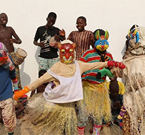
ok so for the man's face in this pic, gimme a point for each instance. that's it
(3, 19)
(67, 53)
(80, 24)
(50, 22)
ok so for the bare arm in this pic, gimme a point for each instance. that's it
(43, 79)
(89, 66)
(41, 44)
(16, 38)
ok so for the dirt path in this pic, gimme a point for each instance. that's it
(113, 130)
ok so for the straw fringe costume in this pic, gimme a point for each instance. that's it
(96, 102)
(134, 76)
(47, 118)
(52, 118)
(53, 112)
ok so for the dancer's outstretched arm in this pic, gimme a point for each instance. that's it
(43, 79)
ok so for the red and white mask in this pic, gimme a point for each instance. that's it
(66, 51)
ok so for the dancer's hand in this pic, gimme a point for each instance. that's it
(120, 65)
(62, 33)
(20, 93)
(116, 64)
(111, 63)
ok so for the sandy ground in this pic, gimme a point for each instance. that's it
(112, 130)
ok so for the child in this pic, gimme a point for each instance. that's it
(8, 36)
(40, 88)
(48, 54)
(116, 96)
(83, 38)
(7, 72)
(116, 100)
(120, 84)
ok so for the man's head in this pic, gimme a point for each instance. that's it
(81, 23)
(51, 19)
(3, 19)
(66, 51)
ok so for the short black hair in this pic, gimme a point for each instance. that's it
(82, 17)
(42, 72)
(52, 14)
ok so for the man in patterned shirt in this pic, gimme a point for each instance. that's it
(83, 38)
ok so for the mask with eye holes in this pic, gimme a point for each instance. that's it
(66, 51)
(101, 38)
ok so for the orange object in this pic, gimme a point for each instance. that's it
(20, 93)
(3, 59)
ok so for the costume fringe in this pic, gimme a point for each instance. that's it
(134, 97)
(51, 119)
(96, 102)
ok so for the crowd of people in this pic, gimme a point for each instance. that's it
(72, 85)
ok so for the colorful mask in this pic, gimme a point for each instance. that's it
(101, 44)
(133, 34)
(66, 52)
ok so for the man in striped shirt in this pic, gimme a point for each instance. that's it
(83, 38)
(96, 102)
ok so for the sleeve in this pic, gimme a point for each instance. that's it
(90, 66)
(43, 79)
(107, 85)
(58, 31)
(83, 58)
(121, 88)
(37, 35)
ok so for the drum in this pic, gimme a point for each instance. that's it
(19, 56)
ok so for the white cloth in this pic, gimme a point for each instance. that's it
(69, 90)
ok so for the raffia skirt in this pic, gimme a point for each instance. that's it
(45, 118)
(96, 102)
